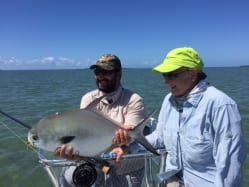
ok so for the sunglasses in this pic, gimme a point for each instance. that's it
(102, 72)
(174, 75)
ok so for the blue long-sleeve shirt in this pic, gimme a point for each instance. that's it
(204, 141)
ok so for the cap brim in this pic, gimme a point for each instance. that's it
(164, 68)
(101, 67)
(93, 66)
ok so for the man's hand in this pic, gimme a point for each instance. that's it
(121, 135)
(66, 152)
(120, 151)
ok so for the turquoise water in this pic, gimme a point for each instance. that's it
(31, 95)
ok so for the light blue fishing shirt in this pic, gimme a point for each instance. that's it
(204, 141)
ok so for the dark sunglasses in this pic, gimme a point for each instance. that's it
(174, 75)
(103, 72)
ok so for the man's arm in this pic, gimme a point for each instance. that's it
(229, 146)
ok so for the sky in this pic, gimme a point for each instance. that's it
(62, 34)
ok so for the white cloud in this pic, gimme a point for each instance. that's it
(43, 63)
(51, 62)
(48, 60)
(10, 61)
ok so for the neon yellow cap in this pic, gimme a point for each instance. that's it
(180, 57)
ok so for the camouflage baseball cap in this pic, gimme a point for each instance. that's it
(108, 62)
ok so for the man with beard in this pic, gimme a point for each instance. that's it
(121, 105)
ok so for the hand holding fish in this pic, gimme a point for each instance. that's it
(66, 152)
(121, 135)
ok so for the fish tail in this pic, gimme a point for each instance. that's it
(139, 136)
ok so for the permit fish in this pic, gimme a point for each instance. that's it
(86, 130)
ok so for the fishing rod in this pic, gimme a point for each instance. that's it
(16, 120)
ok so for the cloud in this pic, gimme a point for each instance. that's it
(10, 61)
(43, 63)
(51, 62)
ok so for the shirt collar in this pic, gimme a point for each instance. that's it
(193, 97)
(111, 97)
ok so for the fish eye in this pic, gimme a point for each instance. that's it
(35, 137)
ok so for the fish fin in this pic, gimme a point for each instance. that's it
(93, 104)
(92, 107)
(143, 141)
(139, 136)
(66, 139)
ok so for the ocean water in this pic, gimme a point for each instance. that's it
(31, 95)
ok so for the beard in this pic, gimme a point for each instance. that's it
(106, 86)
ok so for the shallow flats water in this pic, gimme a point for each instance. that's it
(31, 95)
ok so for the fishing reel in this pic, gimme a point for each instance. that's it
(84, 175)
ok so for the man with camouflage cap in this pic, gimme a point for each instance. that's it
(123, 106)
